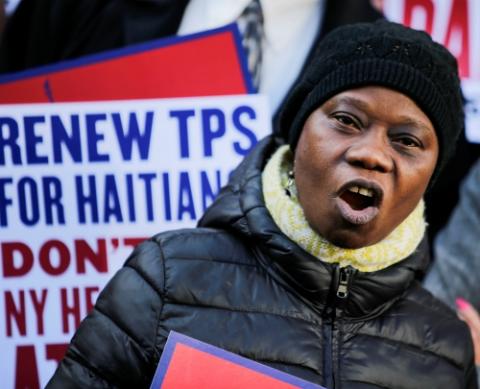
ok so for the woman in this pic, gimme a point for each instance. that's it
(307, 259)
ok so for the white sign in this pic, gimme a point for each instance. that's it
(80, 185)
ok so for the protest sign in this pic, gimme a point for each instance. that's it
(203, 64)
(189, 364)
(81, 184)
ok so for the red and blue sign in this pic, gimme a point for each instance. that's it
(189, 363)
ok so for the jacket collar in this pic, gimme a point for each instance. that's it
(240, 208)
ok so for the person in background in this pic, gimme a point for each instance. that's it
(307, 260)
(454, 276)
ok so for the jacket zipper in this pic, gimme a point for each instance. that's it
(344, 275)
(328, 368)
(343, 283)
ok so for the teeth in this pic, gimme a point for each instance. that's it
(354, 189)
(362, 191)
(366, 192)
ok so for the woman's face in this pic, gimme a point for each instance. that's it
(362, 164)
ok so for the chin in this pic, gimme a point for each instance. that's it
(350, 236)
(348, 243)
(351, 240)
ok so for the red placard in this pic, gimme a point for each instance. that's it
(204, 64)
(189, 364)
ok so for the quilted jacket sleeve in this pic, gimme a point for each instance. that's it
(115, 346)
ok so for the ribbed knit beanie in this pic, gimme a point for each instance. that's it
(386, 54)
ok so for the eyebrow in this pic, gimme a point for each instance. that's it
(362, 105)
(352, 101)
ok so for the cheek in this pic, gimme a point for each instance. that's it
(313, 189)
(315, 160)
(412, 186)
(313, 153)
(420, 178)
(309, 169)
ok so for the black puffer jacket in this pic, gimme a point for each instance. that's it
(240, 284)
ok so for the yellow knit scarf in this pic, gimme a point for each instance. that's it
(288, 215)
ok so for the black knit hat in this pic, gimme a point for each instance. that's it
(386, 54)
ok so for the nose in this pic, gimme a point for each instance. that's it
(370, 151)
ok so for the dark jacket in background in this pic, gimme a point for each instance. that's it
(238, 283)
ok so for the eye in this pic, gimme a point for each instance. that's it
(346, 120)
(407, 141)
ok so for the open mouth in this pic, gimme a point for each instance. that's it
(359, 201)
(359, 198)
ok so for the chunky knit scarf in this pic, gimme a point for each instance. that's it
(288, 215)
